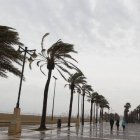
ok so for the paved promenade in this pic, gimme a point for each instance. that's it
(94, 132)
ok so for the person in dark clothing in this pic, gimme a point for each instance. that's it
(111, 123)
(123, 124)
(117, 124)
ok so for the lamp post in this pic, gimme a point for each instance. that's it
(53, 97)
(25, 50)
(15, 125)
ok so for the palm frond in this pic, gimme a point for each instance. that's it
(8, 39)
(61, 48)
(38, 62)
(30, 65)
(41, 68)
(64, 56)
(63, 69)
(69, 64)
(62, 74)
(66, 85)
(46, 34)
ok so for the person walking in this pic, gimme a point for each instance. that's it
(111, 124)
(117, 124)
(123, 124)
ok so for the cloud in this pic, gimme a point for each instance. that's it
(103, 32)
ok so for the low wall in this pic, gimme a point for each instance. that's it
(32, 119)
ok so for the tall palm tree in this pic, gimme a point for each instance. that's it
(86, 89)
(74, 82)
(57, 56)
(8, 55)
(103, 104)
(94, 110)
(98, 100)
(126, 110)
(91, 99)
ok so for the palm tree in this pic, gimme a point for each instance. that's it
(126, 110)
(74, 82)
(98, 100)
(103, 104)
(86, 89)
(91, 99)
(8, 55)
(57, 56)
(94, 110)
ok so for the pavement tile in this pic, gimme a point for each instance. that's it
(93, 132)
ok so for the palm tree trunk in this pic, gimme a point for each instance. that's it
(100, 117)
(43, 117)
(91, 112)
(83, 109)
(96, 113)
(139, 115)
(102, 114)
(78, 121)
(78, 106)
(70, 106)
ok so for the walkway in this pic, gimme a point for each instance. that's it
(99, 132)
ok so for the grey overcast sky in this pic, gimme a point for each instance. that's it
(104, 32)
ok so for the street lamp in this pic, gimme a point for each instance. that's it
(32, 55)
(53, 97)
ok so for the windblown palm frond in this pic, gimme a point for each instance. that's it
(57, 56)
(92, 96)
(127, 106)
(87, 89)
(43, 41)
(99, 98)
(103, 103)
(76, 79)
(8, 55)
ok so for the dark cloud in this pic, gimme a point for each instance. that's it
(99, 29)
